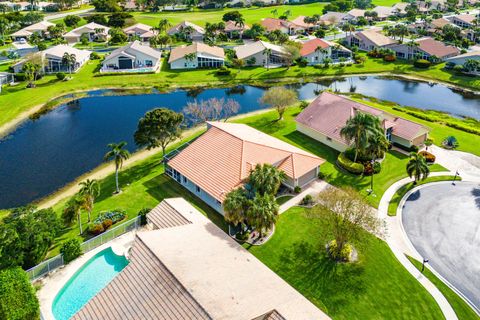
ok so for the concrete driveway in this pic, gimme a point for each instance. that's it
(443, 223)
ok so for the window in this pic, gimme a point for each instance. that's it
(184, 179)
(198, 189)
(329, 139)
(148, 63)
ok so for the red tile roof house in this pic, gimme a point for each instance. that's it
(428, 48)
(285, 26)
(316, 50)
(309, 27)
(221, 159)
(323, 119)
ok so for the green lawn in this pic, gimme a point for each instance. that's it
(282, 199)
(461, 308)
(398, 196)
(17, 99)
(376, 287)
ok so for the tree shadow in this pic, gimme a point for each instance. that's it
(476, 193)
(414, 196)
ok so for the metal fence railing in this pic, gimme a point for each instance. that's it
(53, 263)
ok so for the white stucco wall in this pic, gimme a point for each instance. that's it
(139, 58)
(337, 145)
(311, 58)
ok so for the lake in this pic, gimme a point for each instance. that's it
(45, 154)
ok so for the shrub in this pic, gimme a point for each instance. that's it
(450, 142)
(350, 154)
(302, 62)
(70, 250)
(41, 46)
(96, 228)
(430, 158)
(242, 236)
(17, 296)
(377, 167)
(223, 71)
(429, 142)
(307, 200)
(343, 255)
(107, 223)
(297, 189)
(321, 175)
(413, 148)
(94, 56)
(422, 63)
(61, 76)
(143, 215)
(389, 58)
(458, 68)
(114, 215)
(449, 65)
(303, 104)
(346, 164)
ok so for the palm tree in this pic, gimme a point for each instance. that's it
(69, 59)
(266, 179)
(118, 154)
(73, 210)
(262, 213)
(411, 48)
(359, 129)
(4, 28)
(90, 189)
(320, 51)
(234, 207)
(417, 167)
(274, 12)
(163, 25)
(377, 146)
(190, 56)
(268, 53)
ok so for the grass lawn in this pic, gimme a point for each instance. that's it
(15, 100)
(376, 287)
(461, 308)
(282, 199)
(398, 196)
(393, 167)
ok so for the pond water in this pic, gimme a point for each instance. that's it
(44, 155)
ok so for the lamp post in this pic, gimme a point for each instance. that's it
(423, 264)
(455, 177)
(370, 191)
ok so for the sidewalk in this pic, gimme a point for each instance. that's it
(314, 188)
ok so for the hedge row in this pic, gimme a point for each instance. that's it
(345, 163)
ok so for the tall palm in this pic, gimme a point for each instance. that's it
(268, 53)
(163, 25)
(118, 154)
(4, 28)
(359, 129)
(234, 207)
(262, 213)
(89, 190)
(73, 210)
(377, 146)
(417, 167)
(266, 179)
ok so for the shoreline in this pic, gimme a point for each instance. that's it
(12, 125)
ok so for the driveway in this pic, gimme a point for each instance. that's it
(443, 223)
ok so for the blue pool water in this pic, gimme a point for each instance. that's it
(92, 277)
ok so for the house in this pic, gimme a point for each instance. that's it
(40, 28)
(140, 31)
(135, 56)
(323, 119)
(260, 53)
(425, 48)
(383, 12)
(461, 59)
(196, 55)
(368, 40)
(221, 159)
(316, 50)
(185, 267)
(192, 31)
(234, 30)
(93, 31)
(285, 26)
(308, 27)
(464, 20)
(354, 14)
(400, 8)
(333, 17)
(52, 59)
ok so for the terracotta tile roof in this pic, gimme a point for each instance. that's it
(272, 24)
(436, 48)
(329, 113)
(299, 21)
(221, 159)
(467, 18)
(164, 215)
(439, 23)
(376, 37)
(356, 13)
(232, 26)
(312, 45)
(198, 48)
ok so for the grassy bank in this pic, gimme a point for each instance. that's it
(461, 308)
(375, 287)
(16, 100)
(398, 196)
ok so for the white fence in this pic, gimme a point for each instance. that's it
(51, 264)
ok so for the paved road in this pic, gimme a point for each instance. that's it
(64, 14)
(443, 223)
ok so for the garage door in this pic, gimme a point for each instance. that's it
(125, 63)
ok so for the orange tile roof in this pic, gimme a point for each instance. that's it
(436, 48)
(272, 24)
(222, 158)
(311, 45)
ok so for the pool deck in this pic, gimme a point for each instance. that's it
(54, 282)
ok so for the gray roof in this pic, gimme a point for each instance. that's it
(165, 216)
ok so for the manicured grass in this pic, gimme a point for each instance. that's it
(461, 308)
(398, 196)
(468, 141)
(375, 287)
(282, 199)
(393, 167)
(17, 99)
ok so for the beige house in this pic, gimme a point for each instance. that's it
(39, 28)
(196, 55)
(368, 40)
(285, 26)
(384, 12)
(233, 29)
(185, 267)
(309, 27)
(94, 32)
(221, 159)
(426, 48)
(464, 20)
(260, 53)
(141, 31)
(134, 57)
(193, 31)
(323, 119)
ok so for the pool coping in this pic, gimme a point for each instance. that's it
(54, 282)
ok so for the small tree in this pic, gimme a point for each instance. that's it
(212, 109)
(262, 212)
(70, 250)
(348, 216)
(90, 189)
(417, 167)
(31, 71)
(235, 207)
(279, 98)
(70, 60)
(158, 128)
(266, 179)
(118, 154)
(17, 296)
(73, 211)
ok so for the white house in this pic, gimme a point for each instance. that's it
(140, 30)
(260, 53)
(196, 55)
(316, 50)
(135, 57)
(39, 28)
(192, 31)
(94, 32)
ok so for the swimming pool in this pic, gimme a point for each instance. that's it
(92, 277)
